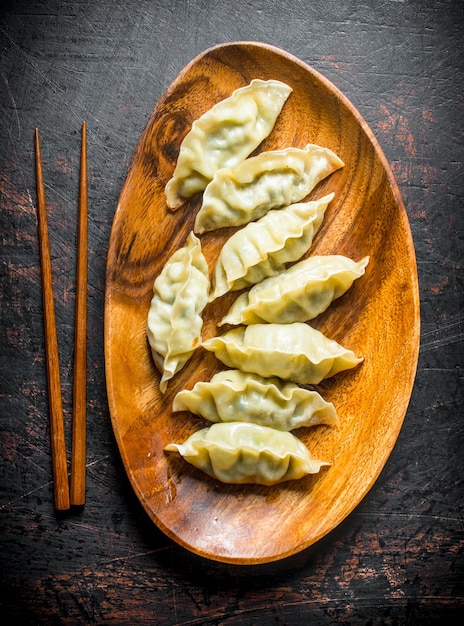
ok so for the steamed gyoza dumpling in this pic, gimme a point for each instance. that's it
(238, 453)
(297, 294)
(174, 323)
(262, 248)
(240, 194)
(293, 352)
(236, 396)
(224, 136)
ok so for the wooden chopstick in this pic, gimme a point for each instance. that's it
(57, 437)
(78, 452)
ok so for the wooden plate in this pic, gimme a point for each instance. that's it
(378, 318)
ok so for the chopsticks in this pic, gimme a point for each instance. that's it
(62, 498)
(57, 438)
(80, 341)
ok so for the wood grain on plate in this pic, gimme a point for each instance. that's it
(378, 318)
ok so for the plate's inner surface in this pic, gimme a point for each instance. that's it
(378, 318)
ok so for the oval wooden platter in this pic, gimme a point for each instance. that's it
(378, 318)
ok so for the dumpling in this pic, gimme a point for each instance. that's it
(262, 248)
(271, 180)
(235, 396)
(174, 322)
(224, 136)
(238, 453)
(293, 352)
(297, 294)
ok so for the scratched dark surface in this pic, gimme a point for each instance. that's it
(398, 558)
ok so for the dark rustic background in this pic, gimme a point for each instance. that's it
(398, 558)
